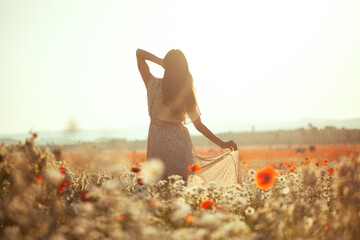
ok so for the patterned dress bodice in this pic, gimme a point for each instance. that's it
(158, 110)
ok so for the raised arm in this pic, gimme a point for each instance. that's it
(207, 133)
(141, 56)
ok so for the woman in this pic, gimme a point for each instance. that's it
(172, 103)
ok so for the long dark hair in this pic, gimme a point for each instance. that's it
(177, 85)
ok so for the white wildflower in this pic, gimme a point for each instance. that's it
(285, 190)
(139, 190)
(180, 210)
(240, 202)
(211, 184)
(200, 189)
(281, 179)
(153, 171)
(188, 192)
(178, 183)
(162, 183)
(194, 189)
(252, 172)
(52, 175)
(175, 177)
(181, 200)
(249, 211)
(294, 175)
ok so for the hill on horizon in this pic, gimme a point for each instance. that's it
(140, 132)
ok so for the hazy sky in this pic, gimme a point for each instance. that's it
(69, 60)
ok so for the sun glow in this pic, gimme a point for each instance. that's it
(251, 60)
(256, 55)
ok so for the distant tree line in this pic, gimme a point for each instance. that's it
(301, 136)
(311, 136)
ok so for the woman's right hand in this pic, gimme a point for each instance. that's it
(145, 55)
(230, 144)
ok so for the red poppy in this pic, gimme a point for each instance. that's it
(324, 162)
(61, 187)
(140, 181)
(265, 178)
(286, 165)
(135, 169)
(331, 171)
(152, 203)
(206, 204)
(194, 168)
(189, 218)
(62, 170)
(83, 195)
(62, 183)
(66, 182)
(317, 164)
(39, 178)
(85, 198)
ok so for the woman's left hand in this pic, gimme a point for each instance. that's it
(230, 144)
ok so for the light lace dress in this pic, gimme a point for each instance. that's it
(169, 140)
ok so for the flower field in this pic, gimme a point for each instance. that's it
(285, 194)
